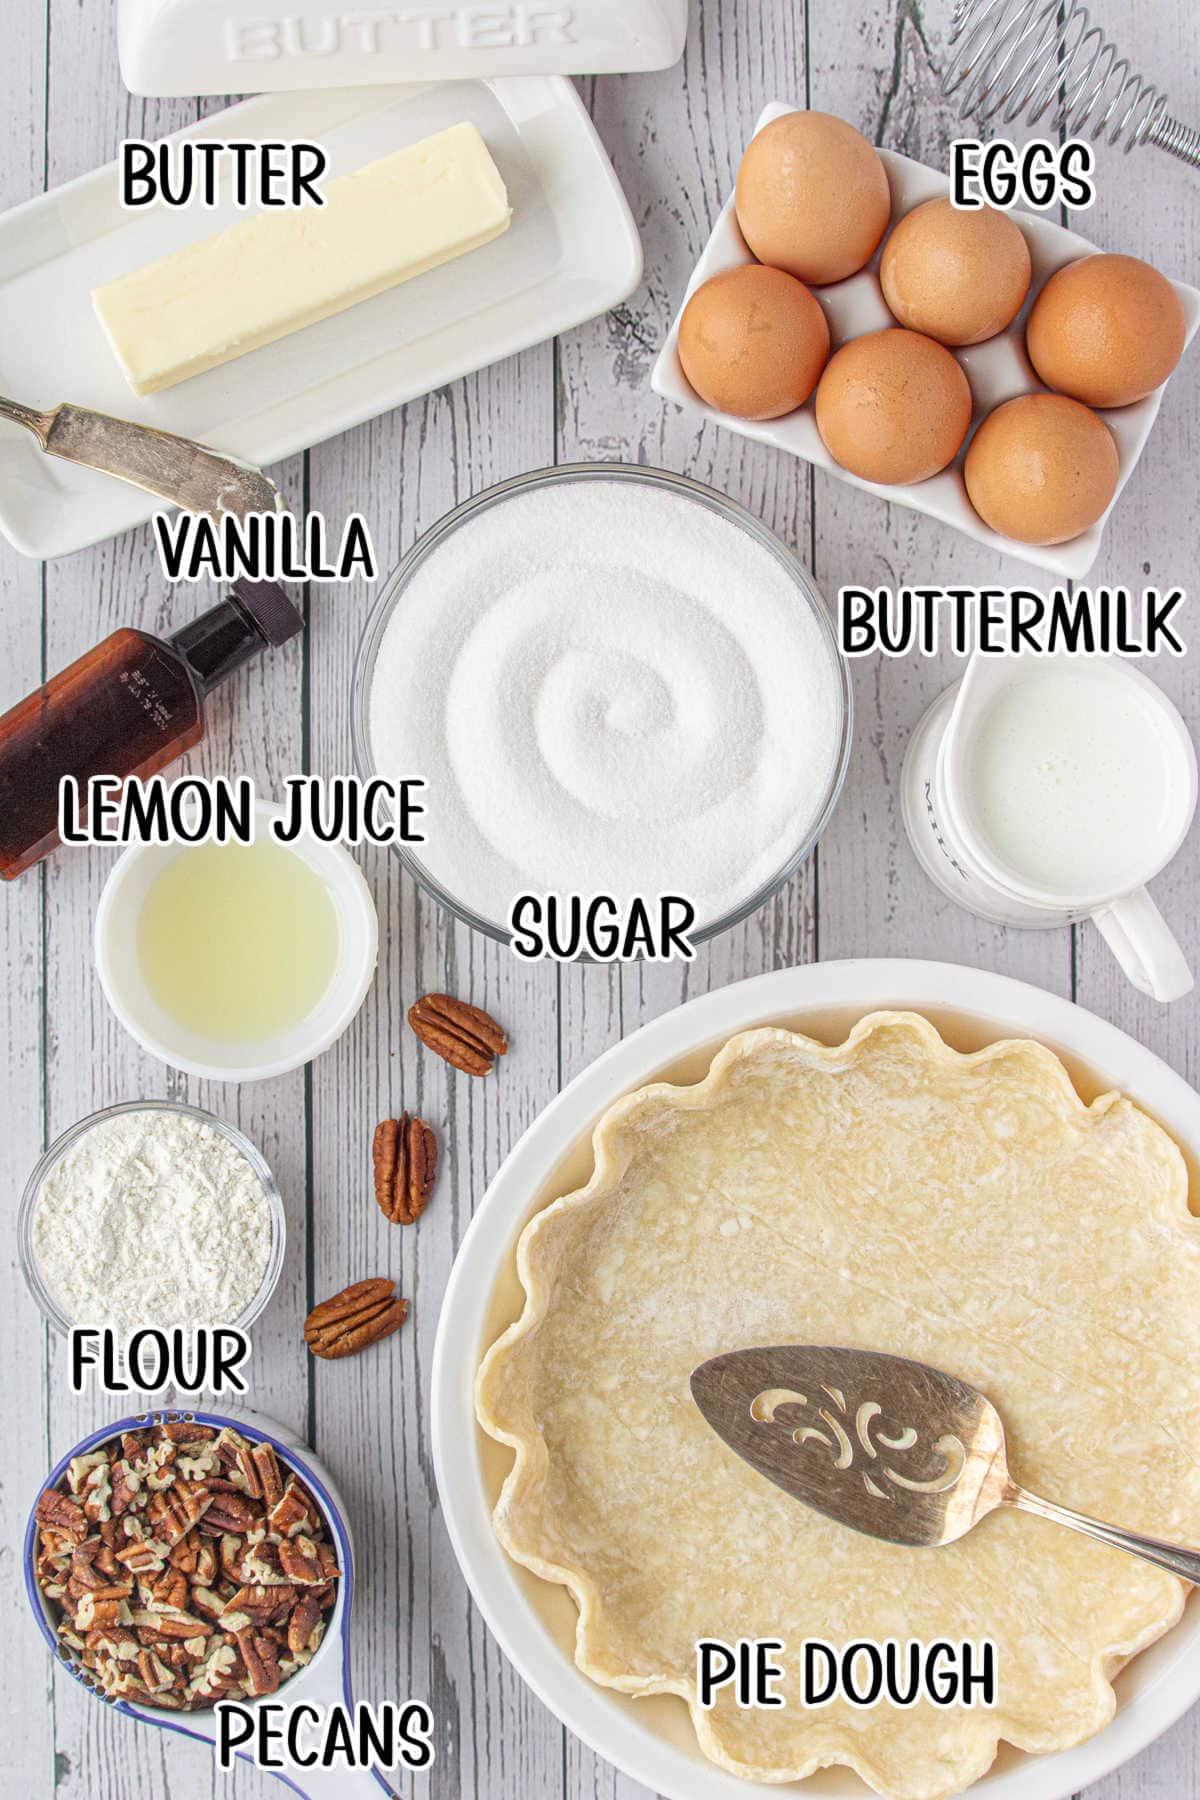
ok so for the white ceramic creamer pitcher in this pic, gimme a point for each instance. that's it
(1042, 791)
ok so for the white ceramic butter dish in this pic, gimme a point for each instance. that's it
(571, 252)
(265, 46)
(997, 370)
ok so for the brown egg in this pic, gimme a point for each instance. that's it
(813, 197)
(753, 342)
(1107, 329)
(893, 406)
(960, 277)
(1041, 468)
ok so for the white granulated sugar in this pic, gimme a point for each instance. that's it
(608, 689)
(152, 1218)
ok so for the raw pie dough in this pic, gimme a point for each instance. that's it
(967, 1211)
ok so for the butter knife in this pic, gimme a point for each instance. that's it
(177, 469)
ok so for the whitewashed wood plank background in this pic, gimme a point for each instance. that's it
(675, 139)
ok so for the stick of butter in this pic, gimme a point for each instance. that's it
(280, 271)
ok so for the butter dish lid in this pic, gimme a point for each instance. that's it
(186, 47)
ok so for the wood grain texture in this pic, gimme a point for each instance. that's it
(675, 139)
(27, 1685)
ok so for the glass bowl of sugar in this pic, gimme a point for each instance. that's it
(613, 681)
(151, 1213)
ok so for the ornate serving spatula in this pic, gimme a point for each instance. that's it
(177, 469)
(891, 1447)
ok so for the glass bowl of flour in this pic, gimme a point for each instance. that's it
(613, 681)
(151, 1214)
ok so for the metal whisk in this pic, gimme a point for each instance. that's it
(1045, 59)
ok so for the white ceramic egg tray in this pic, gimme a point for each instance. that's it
(997, 370)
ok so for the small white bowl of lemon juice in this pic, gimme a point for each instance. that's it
(236, 962)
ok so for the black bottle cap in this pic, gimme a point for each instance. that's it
(269, 609)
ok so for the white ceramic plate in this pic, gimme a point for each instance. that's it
(1156, 1688)
(997, 370)
(572, 251)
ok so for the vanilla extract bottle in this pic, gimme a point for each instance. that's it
(128, 707)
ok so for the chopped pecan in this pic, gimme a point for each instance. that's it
(156, 1676)
(232, 1513)
(227, 1603)
(98, 1609)
(187, 1431)
(216, 1675)
(172, 1625)
(260, 1603)
(233, 1549)
(208, 1604)
(174, 1511)
(463, 1035)
(305, 1625)
(186, 1553)
(298, 1560)
(404, 1161)
(266, 1465)
(144, 1556)
(125, 1488)
(262, 1663)
(62, 1514)
(292, 1511)
(83, 1561)
(51, 1570)
(114, 1641)
(360, 1315)
(261, 1564)
(244, 1474)
(170, 1591)
(105, 1590)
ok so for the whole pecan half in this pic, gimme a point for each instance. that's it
(404, 1161)
(360, 1315)
(464, 1035)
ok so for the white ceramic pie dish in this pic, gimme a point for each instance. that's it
(1151, 1694)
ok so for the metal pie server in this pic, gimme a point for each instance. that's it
(892, 1448)
(176, 469)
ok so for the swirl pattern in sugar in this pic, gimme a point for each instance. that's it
(608, 688)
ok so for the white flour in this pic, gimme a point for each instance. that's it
(609, 689)
(152, 1218)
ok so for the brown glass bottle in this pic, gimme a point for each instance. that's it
(129, 707)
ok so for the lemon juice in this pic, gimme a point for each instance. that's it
(238, 942)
